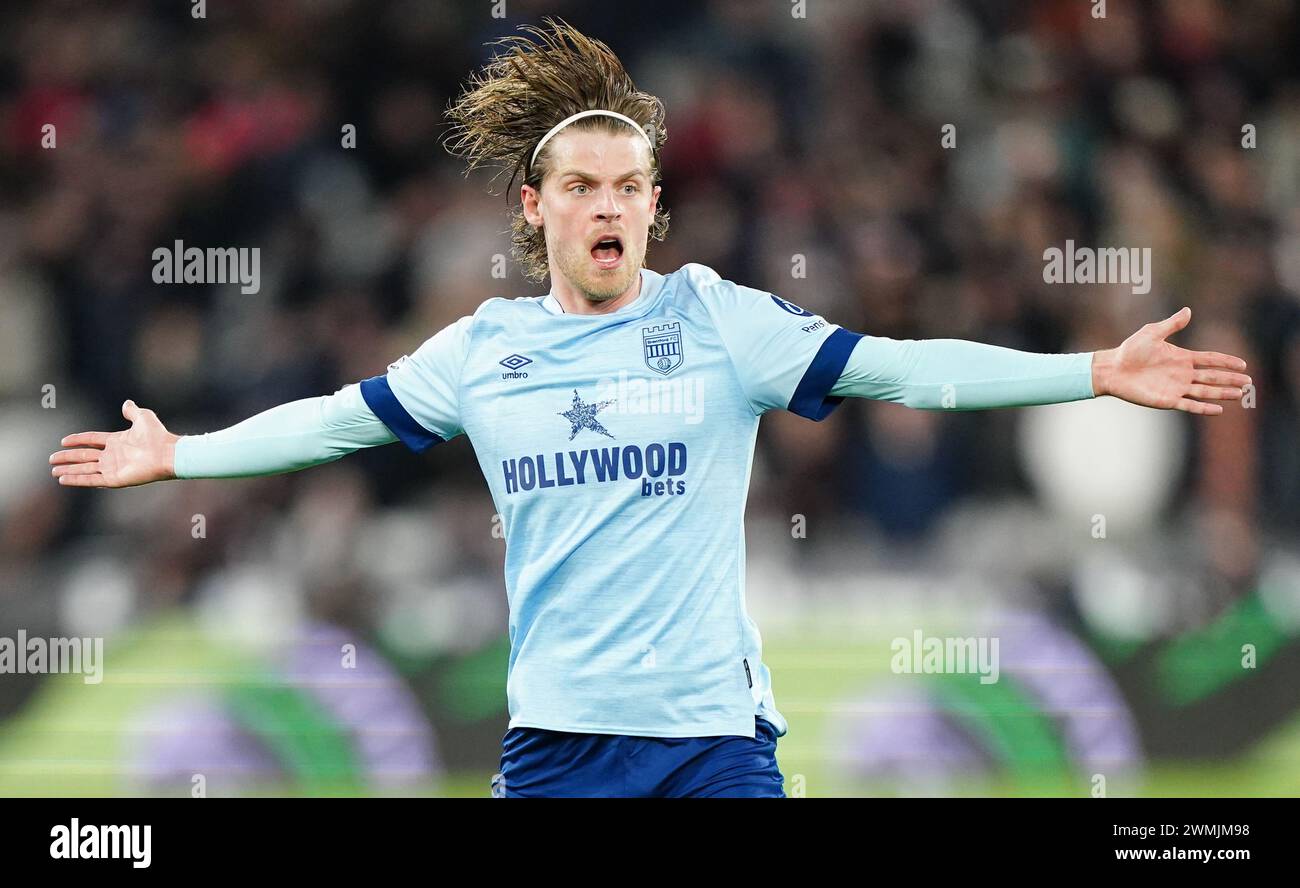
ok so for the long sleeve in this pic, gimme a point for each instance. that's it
(286, 438)
(954, 374)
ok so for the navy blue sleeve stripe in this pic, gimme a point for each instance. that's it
(810, 397)
(379, 397)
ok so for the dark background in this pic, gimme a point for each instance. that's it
(814, 137)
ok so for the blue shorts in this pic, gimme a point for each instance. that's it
(541, 763)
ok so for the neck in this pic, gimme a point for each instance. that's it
(574, 301)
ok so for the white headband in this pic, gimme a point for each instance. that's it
(568, 120)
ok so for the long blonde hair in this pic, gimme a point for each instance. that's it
(506, 108)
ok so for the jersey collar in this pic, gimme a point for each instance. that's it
(651, 281)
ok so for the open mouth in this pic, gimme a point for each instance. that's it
(607, 251)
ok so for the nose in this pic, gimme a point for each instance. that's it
(608, 207)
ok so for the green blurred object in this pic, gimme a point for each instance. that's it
(1008, 722)
(74, 738)
(474, 687)
(1201, 663)
(306, 739)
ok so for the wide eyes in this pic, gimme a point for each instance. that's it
(580, 189)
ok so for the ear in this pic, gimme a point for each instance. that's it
(654, 198)
(531, 199)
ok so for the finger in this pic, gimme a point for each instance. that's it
(78, 469)
(1220, 377)
(1214, 393)
(86, 439)
(1175, 322)
(1218, 359)
(130, 410)
(66, 457)
(1189, 406)
(83, 481)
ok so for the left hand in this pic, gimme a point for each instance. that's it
(1148, 371)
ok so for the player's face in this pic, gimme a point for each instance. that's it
(598, 187)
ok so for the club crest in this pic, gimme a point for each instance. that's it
(663, 347)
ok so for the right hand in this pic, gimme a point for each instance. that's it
(144, 453)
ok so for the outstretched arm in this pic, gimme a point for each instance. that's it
(953, 374)
(286, 438)
(416, 402)
(1148, 371)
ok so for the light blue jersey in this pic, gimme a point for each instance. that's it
(618, 448)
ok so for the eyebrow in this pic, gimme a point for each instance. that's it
(638, 172)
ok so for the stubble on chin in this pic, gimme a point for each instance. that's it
(595, 286)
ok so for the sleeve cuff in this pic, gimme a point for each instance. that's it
(180, 462)
(380, 399)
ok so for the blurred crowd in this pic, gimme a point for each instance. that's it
(815, 142)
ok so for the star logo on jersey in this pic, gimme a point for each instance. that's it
(583, 416)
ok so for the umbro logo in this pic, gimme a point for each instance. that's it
(513, 364)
